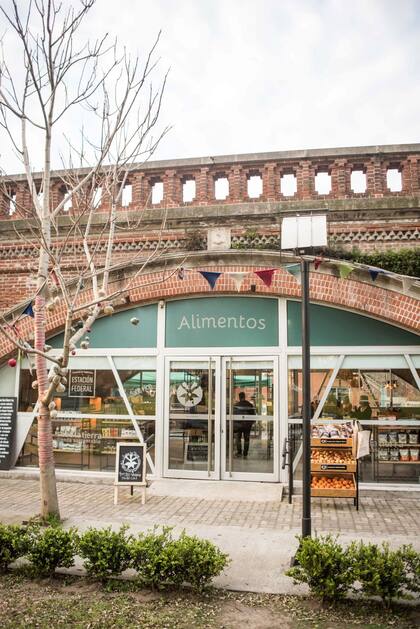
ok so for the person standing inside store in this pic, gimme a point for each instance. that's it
(243, 428)
(365, 410)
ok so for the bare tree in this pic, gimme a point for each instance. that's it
(120, 108)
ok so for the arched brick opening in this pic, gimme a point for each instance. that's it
(358, 296)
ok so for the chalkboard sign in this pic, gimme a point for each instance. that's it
(196, 452)
(130, 464)
(8, 408)
(82, 383)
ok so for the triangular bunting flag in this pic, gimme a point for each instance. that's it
(373, 274)
(317, 263)
(344, 270)
(266, 276)
(238, 278)
(295, 270)
(29, 311)
(211, 277)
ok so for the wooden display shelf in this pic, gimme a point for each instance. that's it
(333, 467)
(339, 442)
(333, 492)
(400, 462)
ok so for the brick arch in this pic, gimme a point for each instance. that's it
(363, 298)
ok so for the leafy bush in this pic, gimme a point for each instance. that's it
(325, 566)
(380, 571)
(51, 548)
(200, 559)
(13, 544)
(106, 552)
(154, 559)
(412, 567)
(161, 560)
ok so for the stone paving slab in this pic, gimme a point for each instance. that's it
(386, 513)
(260, 537)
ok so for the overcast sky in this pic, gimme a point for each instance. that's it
(249, 76)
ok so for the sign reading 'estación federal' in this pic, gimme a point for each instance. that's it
(7, 430)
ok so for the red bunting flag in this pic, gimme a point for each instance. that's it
(266, 276)
(317, 263)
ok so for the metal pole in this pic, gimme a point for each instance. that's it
(306, 409)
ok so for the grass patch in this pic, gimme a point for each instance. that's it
(74, 602)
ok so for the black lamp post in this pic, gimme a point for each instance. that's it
(301, 234)
(306, 407)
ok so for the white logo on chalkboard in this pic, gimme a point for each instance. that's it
(189, 394)
(131, 462)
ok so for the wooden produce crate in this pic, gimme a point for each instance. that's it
(339, 442)
(334, 492)
(333, 467)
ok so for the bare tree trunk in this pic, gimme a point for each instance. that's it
(48, 488)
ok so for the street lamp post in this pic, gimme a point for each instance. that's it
(301, 234)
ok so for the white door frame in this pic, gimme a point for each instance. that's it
(250, 476)
(197, 474)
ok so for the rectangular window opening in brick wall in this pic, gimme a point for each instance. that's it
(221, 188)
(188, 190)
(157, 192)
(394, 180)
(254, 186)
(358, 181)
(127, 195)
(288, 185)
(323, 183)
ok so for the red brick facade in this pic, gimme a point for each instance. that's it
(359, 296)
(376, 219)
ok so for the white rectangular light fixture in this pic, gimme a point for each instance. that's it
(300, 232)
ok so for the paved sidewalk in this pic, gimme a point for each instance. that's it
(259, 536)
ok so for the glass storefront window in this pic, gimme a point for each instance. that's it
(380, 392)
(373, 394)
(140, 387)
(319, 381)
(87, 444)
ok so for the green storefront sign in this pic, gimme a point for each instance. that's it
(222, 322)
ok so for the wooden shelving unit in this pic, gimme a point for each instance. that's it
(332, 458)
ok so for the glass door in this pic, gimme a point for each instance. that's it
(249, 435)
(192, 430)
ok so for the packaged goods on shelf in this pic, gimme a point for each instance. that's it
(413, 438)
(414, 454)
(383, 438)
(402, 438)
(383, 454)
(404, 454)
(332, 431)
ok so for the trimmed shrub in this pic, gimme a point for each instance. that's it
(13, 544)
(380, 571)
(162, 561)
(152, 558)
(412, 566)
(51, 548)
(200, 559)
(106, 552)
(325, 566)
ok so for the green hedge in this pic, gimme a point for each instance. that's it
(401, 261)
(159, 559)
(332, 572)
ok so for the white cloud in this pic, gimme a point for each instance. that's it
(273, 75)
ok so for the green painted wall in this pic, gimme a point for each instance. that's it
(117, 331)
(331, 326)
(222, 322)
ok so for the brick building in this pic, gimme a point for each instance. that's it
(174, 381)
